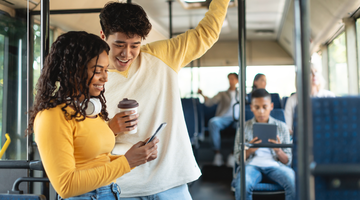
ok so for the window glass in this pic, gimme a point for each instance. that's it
(212, 80)
(13, 91)
(2, 54)
(358, 47)
(338, 71)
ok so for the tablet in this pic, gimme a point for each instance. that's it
(264, 132)
(162, 125)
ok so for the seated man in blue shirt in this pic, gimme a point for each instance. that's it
(271, 163)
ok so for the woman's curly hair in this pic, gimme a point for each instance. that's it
(126, 18)
(63, 79)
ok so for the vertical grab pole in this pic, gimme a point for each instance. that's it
(242, 66)
(45, 26)
(45, 18)
(304, 128)
(170, 19)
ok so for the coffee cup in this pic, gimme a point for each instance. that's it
(128, 105)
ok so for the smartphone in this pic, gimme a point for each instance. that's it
(162, 125)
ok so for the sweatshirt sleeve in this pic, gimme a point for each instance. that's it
(214, 100)
(181, 50)
(54, 137)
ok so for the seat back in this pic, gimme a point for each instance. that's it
(275, 99)
(191, 118)
(283, 102)
(336, 137)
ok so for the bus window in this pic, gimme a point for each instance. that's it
(338, 71)
(279, 79)
(212, 80)
(2, 55)
(358, 45)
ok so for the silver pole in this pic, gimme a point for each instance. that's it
(242, 92)
(304, 128)
(45, 16)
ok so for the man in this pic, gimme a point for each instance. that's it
(271, 163)
(148, 74)
(223, 117)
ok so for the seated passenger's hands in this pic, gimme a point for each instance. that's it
(123, 121)
(255, 140)
(275, 142)
(140, 153)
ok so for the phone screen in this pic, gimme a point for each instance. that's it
(162, 125)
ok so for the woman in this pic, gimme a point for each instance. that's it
(258, 83)
(316, 91)
(75, 143)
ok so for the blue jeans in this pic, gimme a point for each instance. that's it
(109, 192)
(177, 193)
(216, 124)
(283, 175)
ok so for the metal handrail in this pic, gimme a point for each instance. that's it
(269, 145)
(335, 169)
(6, 145)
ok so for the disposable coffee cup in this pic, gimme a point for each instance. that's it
(127, 105)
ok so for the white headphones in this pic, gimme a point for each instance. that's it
(94, 107)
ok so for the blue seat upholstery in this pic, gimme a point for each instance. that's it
(201, 119)
(273, 187)
(191, 118)
(336, 137)
(283, 102)
(275, 99)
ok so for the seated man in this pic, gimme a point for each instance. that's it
(271, 163)
(223, 116)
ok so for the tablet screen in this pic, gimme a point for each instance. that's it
(265, 131)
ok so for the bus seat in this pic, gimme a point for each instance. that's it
(209, 112)
(283, 101)
(275, 99)
(275, 113)
(191, 118)
(201, 120)
(336, 139)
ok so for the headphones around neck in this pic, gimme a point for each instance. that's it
(94, 107)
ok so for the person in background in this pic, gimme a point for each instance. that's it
(271, 163)
(258, 83)
(223, 117)
(317, 85)
(149, 74)
(75, 142)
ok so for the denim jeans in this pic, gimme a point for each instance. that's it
(216, 124)
(109, 192)
(283, 175)
(177, 193)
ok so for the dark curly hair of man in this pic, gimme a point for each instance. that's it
(126, 18)
(63, 79)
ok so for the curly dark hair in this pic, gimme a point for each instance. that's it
(126, 18)
(66, 65)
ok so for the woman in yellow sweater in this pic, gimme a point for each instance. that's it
(68, 119)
